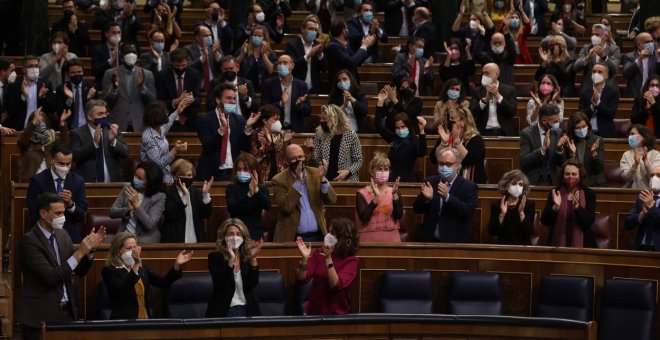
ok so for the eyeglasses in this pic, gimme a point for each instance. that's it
(446, 163)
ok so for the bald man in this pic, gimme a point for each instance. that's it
(300, 193)
(493, 104)
(288, 94)
(639, 64)
(424, 28)
(502, 52)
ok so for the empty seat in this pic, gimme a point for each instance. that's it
(613, 175)
(96, 218)
(406, 292)
(270, 294)
(369, 88)
(474, 294)
(601, 230)
(301, 297)
(188, 296)
(627, 310)
(566, 297)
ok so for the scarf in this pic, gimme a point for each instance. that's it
(566, 232)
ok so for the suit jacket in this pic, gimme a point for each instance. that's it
(225, 35)
(395, 17)
(207, 131)
(84, 154)
(426, 31)
(129, 99)
(100, 56)
(120, 283)
(248, 105)
(147, 61)
(648, 227)
(604, 111)
(612, 59)
(350, 152)
(43, 277)
(401, 69)
(288, 200)
(271, 93)
(194, 60)
(63, 103)
(540, 169)
(356, 34)
(224, 286)
(540, 8)
(341, 57)
(147, 216)
(640, 114)
(506, 109)
(43, 182)
(296, 50)
(504, 61)
(455, 218)
(166, 86)
(130, 27)
(633, 73)
(173, 229)
(17, 107)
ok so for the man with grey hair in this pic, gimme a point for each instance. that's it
(599, 51)
(447, 201)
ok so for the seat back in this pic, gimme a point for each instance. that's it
(621, 127)
(270, 294)
(406, 292)
(188, 296)
(627, 310)
(537, 229)
(301, 297)
(613, 175)
(474, 294)
(369, 88)
(96, 218)
(602, 232)
(103, 308)
(566, 297)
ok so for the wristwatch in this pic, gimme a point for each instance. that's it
(330, 265)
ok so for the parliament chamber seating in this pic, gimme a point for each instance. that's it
(301, 296)
(270, 294)
(188, 296)
(566, 297)
(103, 308)
(627, 310)
(406, 292)
(474, 294)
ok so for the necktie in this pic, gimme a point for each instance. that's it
(77, 104)
(656, 198)
(179, 85)
(414, 70)
(100, 161)
(53, 244)
(207, 75)
(58, 188)
(223, 143)
(114, 61)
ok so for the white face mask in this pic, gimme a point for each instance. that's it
(32, 73)
(12, 77)
(655, 183)
(61, 171)
(515, 190)
(260, 17)
(497, 49)
(128, 259)
(596, 40)
(473, 25)
(58, 222)
(130, 59)
(329, 240)
(56, 48)
(115, 39)
(486, 80)
(597, 78)
(276, 127)
(234, 241)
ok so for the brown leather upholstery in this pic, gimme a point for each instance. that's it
(621, 127)
(369, 88)
(523, 89)
(613, 175)
(601, 230)
(535, 236)
(95, 219)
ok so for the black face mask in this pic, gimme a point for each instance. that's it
(179, 72)
(215, 16)
(406, 94)
(293, 166)
(229, 75)
(76, 79)
(325, 127)
(186, 181)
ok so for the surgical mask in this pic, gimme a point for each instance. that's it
(158, 46)
(655, 91)
(101, 121)
(56, 48)
(325, 127)
(76, 79)
(12, 77)
(128, 259)
(453, 94)
(257, 40)
(546, 89)
(498, 49)
(650, 46)
(208, 40)
(243, 176)
(655, 183)
(32, 73)
(381, 177)
(119, 4)
(499, 4)
(114, 40)
(596, 40)
(419, 52)
(344, 85)
(597, 78)
(58, 222)
(515, 23)
(367, 16)
(260, 17)
(555, 127)
(581, 133)
(41, 127)
(473, 25)
(329, 240)
(229, 107)
(486, 80)
(633, 141)
(283, 70)
(571, 182)
(229, 75)
(515, 190)
(402, 133)
(130, 59)
(568, 7)
(61, 171)
(310, 36)
(445, 171)
(276, 127)
(138, 184)
(234, 241)
(187, 181)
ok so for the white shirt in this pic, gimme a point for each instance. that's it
(55, 178)
(404, 31)
(73, 263)
(239, 297)
(229, 162)
(106, 173)
(532, 9)
(541, 132)
(492, 123)
(190, 236)
(308, 76)
(31, 101)
(594, 118)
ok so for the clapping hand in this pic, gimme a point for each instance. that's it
(556, 199)
(254, 184)
(576, 199)
(421, 124)
(646, 196)
(323, 168)
(427, 191)
(256, 249)
(374, 190)
(65, 115)
(43, 91)
(183, 257)
(395, 189)
(206, 188)
(304, 249)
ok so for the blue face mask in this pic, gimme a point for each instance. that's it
(138, 184)
(229, 108)
(515, 23)
(499, 4)
(101, 121)
(650, 46)
(419, 52)
(243, 176)
(445, 171)
(633, 141)
(403, 133)
(208, 41)
(256, 40)
(310, 36)
(282, 70)
(344, 85)
(581, 133)
(453, 94)
(159, 46)
(555, 127)
(367, 16)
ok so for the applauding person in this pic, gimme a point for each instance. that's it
(269, 142)
(247, 196)
(645, 215)
(646, 107)
(512, 217)
(637, 163)
(587, 148)
(547, 91)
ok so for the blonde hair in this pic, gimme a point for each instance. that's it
(559, 40)
(470, 126)
(266, 38)
(180, 166)
(114, 253)
(337, 120)
(379, 160)
(246, 246)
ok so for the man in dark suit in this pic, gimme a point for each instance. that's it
(340, 56)
(601, 52)
(223, 134)
(411, 63)
(287, 94)
(447, 201)
(502, 52)
(542, 147)
(7, 77)
(247, 98)
(493, 104)
(308, 57)
(70, 186)
(639, 64)
(157, 58)
(75, 29)
(74, 94)
(399, 17)
(425, 29)
(537, 16)
(47, 260)
(25, 96)
(365, 25)
(176, 82)
(125, 17)
(600, 102)
(220, 29)
(204, 55)
(98, 147)
(645, 216)
(106, 55)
